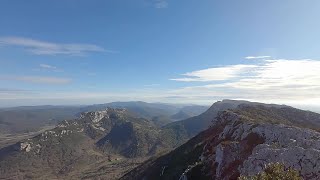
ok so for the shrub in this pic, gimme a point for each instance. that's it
(274, 171)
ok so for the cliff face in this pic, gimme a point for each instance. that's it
(242, 142)
(244, 147)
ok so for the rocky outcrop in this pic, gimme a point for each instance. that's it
(245, 148)
(25, 146)
(243, 141)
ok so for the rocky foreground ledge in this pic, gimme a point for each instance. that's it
(242, 142)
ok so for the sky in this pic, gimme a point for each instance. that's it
(67, 52)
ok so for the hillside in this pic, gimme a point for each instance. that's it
(112, 136)
(189, 111)
(194, 125)
(242, 141)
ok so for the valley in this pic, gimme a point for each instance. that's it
(103, 143)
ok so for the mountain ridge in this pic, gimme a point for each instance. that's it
(32, 118)
(242, 141)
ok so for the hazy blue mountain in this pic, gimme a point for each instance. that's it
(189, 111)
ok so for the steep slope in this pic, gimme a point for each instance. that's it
(75, 145)
(189, 111)
(192, 126)
(180, 115)
(241, 142)
(194, 110)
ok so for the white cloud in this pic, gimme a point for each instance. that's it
(46, 66)
(275, 81)
(218, 73)
(257, 57)
(160, 4)
(48, 48)
(292, 82)
(38, 79)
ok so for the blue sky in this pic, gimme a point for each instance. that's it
(83, 52)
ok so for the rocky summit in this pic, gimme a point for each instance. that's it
(241, 142)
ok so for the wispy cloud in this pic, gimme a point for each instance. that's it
(160, 4)
(48, 48)
(257, 57)
(46, 66)
(279, 80)
(217, 73)
(38, 79)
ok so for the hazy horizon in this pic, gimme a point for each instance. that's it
(299, 106)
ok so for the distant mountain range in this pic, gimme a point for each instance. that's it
(229, 139)
(32, 118)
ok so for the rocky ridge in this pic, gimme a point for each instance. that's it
(243, 141)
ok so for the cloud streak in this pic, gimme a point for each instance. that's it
(38, 79)
(217, 74)
(46, 66)
(48, 48)
(257, 57)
